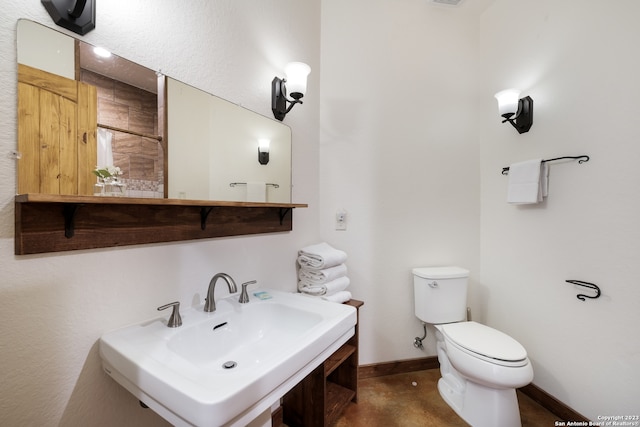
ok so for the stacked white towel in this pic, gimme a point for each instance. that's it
(323, 272)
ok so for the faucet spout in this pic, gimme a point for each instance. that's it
(210, 303)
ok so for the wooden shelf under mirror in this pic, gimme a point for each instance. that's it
(56, 223)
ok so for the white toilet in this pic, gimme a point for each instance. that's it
(481, 367)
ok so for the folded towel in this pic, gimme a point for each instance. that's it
(322, 276)
(525, 183)
(329, 288)
(320, 256)
(256, 191)
(339, 297)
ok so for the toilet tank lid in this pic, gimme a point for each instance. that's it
(440, 272)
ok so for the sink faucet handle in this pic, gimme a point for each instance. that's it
(174, 320)
(244, 296)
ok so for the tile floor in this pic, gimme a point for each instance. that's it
(393, 400)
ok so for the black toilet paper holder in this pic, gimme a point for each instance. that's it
(586, 285)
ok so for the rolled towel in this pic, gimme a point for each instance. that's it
(320, 256)
(311, 290)
(337, 285)
(339, 297)
(322, 276)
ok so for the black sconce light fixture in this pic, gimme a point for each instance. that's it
(515, 110)
(263, 151)
(78, 16)
(296, 84)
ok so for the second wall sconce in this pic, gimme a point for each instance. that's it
(263, 151)
(296, 84)
(515, 110)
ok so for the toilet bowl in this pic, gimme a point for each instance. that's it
(481, 367)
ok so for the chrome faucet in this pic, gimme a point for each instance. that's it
(210, 303)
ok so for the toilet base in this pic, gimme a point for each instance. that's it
(481, 406)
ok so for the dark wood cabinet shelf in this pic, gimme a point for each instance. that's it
(338, 397)
(319, 399)
(337, 358)
(54, 223)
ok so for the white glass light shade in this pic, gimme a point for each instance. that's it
(263, 145)
(508, 101)
(297, 73)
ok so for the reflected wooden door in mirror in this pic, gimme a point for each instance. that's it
(57, 123)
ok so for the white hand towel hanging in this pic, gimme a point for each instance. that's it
(256, 191)
(544, 180)
(527, 182)
(105, 150)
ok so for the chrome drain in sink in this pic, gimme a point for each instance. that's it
(229, 365)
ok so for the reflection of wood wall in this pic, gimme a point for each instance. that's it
(120, 105)
(56, 133)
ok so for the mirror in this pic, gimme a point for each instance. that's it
(230, 168)
(207, 150)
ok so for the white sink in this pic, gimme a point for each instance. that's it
(180, 372)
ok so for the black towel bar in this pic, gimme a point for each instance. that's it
(580, 159)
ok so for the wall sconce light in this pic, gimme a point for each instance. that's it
(263, 151)
(296, 83)
(78, 16)
(515, 110)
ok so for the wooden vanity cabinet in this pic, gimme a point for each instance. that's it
(320, 398)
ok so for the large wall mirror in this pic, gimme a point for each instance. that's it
(78, 110)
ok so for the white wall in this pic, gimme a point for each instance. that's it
(56, 306)
(578, 60)
(399, 152)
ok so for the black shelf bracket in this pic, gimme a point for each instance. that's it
(204, 214)
(283, 213)
(69, 211)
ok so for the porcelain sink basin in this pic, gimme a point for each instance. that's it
(226, 367)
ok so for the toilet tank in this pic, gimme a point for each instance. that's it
(440, 294)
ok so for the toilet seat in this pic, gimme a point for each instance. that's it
(485, 343)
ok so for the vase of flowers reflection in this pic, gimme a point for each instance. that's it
(109, 182)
